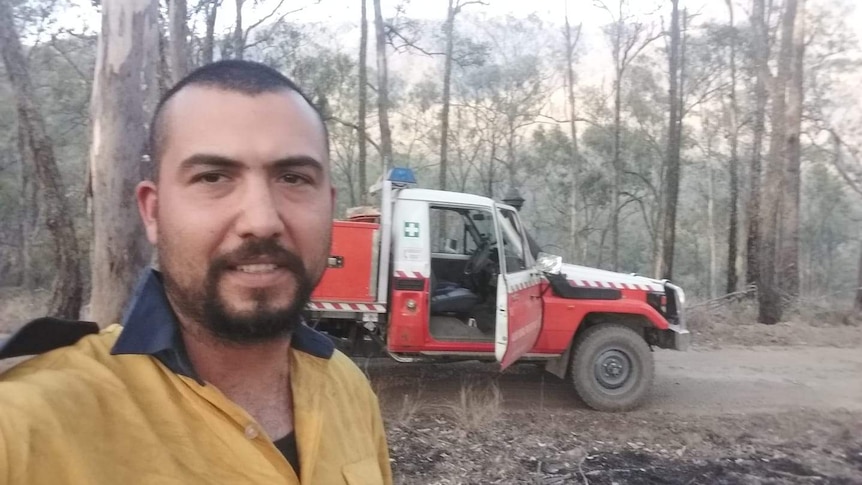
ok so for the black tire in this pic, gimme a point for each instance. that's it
(612, 368)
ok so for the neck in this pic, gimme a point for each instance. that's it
(230, 365)
(254, 376)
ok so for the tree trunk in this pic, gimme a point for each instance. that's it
(29, 211)
(163, 77)
(617, 161)
(857, 304)
(179, 51)
(673, 146)
(38, 152)
(769, 294)
(238, 38)
(447, 81)
(119, 140)
(788, 269)
(363, 103)
(574, 152)
(713, 243)
(209, 36)
(382, 88)
(510, 152)
(761, 64)
(489, 190)
(733, 135)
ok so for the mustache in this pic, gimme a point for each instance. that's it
(254, 250)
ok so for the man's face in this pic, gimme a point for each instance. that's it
(242, 210)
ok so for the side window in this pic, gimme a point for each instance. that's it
(447, 231)
(513, 246)
(460, 230)
(481, 226)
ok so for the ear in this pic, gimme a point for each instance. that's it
(148, 206)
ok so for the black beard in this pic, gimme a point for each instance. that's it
(263, 323)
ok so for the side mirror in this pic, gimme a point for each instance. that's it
(549, 263)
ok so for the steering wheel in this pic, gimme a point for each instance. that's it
(479, 259)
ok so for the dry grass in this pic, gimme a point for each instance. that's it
(477, 407)
(741, 312)
(807, 321)
(822, 312)
(411, 406)
(398, 412)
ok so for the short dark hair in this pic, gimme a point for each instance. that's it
(246, 77)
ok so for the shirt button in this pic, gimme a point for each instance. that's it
(251, 432)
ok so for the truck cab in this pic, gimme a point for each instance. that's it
(441, 276)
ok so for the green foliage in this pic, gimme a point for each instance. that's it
(508, 127)
(829, 232)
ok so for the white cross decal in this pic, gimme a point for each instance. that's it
(411, 229)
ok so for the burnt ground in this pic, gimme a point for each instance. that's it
(588, 447)
(751, 404)
(748, 405)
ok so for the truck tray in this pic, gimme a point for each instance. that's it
(352, 272)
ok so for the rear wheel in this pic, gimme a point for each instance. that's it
(612, 368)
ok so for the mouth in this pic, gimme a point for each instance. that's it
(257, 268)
(258, 274)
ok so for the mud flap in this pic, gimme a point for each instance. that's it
(560, 365)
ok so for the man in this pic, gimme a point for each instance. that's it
(213, 377)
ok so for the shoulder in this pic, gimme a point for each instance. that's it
(344, 380)
(44, 334)
(73, 368)
(346, 373)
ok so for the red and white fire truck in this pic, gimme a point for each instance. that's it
(441, 276)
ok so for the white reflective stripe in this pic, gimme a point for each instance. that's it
(409, 274)
(523, 282)
(346, 306)
(613, 284)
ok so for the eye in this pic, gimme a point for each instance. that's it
(211, 178)
(294, 179)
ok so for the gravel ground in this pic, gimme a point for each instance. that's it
(750, 404)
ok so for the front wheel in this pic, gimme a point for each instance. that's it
(612, 368)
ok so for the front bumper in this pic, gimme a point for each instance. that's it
(673, 338)
(677, 336)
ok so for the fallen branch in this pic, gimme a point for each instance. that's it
(749, 292)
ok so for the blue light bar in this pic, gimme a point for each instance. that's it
(401, 175)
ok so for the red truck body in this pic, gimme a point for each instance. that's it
(435, 275)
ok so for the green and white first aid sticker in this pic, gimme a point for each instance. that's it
(411, 229)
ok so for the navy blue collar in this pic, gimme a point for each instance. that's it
(151, 328)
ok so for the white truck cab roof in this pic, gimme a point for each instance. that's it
(446, 197)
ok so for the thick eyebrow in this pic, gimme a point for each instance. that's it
(218, 161)
(297, 162)
(207, 160)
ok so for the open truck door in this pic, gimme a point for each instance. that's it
(519, 299)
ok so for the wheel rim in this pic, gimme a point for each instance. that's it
(612, 369)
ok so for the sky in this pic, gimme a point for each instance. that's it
(346, 12)
(343, 11)
(594, 52)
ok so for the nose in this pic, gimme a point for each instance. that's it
(258, 213)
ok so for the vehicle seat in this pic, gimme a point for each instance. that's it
(449, 297)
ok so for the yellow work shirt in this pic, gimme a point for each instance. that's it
(81, 415)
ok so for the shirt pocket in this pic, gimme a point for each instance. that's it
(364, 472)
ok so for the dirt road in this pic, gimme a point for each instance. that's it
(730, 380)
(754, 415)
